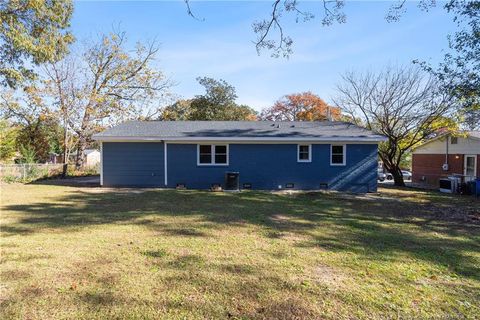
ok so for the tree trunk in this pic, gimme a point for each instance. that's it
(64, 170)
(82, 143)
(397, 176)
(65, 155)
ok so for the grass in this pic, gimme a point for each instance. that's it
(91, 253)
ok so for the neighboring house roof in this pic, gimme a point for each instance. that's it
(238, 130)
(474, 134)
(88, 151)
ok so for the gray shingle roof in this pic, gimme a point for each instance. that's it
(238, 130)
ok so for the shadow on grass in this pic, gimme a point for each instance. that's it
(377, 228)
(87, 181)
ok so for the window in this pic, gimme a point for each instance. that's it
(453, 140)
(337, 153)
(205, 154)
(221, 154)
(304, 153)
(211, 154)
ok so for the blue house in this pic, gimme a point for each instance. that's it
(262, 155)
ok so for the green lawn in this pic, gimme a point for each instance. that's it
(69, 252)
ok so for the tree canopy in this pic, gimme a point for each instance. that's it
(106, 84)
(8, 137)
(404, 104)
(304, 106)
(32, 33)
(218, 103)
(460, 69)
(109, 84)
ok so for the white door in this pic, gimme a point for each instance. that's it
(470, 167)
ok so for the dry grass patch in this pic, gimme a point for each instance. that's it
(92, 253)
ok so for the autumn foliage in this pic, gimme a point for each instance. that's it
(304, 106)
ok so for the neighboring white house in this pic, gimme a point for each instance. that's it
(92, 157)
(447, 155)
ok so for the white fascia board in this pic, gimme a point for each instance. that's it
(236, 139)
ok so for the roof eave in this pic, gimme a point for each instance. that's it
(226, 139)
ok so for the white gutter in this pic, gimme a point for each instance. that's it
(242, 139)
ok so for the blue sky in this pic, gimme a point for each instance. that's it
(220, 46)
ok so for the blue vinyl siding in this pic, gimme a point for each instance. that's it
(133, 164)
(264, 166)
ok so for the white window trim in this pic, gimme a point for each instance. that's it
(344, 155)
(212, 146)
(309, 153)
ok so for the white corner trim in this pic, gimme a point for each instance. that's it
(309, 153)
(101, 163)
(165, 165)
(344, 155)
(212, 150)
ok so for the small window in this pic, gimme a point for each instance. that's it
(205, 154)
(209, 154)
(304, 153)
(453, 140)
(337, 155)
(221, 154)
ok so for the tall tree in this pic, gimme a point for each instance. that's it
(38, 128)
(35, 137)
(218, 103)
(60, 86)
(179, 111)
(460, 69)
(32, 32)
(110, 84)
(304, 106)
(404, 104)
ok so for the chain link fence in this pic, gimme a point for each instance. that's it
(28, 171)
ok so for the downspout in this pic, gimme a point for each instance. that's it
(446, 150)
(101, 163)
(165, 166)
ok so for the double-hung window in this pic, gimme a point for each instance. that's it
(304, 153)
(337, 155)
(212, 154)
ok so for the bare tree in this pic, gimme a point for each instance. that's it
(107, 85)
(271, 33)
(60, 85)
(402, 103)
